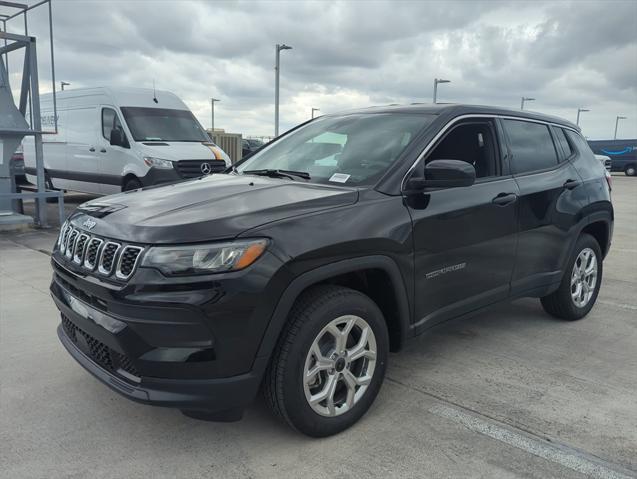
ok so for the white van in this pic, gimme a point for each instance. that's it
(118, 139)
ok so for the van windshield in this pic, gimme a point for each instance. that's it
(354, 149)
(163, 124)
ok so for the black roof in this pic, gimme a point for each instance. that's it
(454, 109)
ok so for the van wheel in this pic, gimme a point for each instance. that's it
(131, 184)
(580, 285)
(630, 170)
(330, 361)
(49, 186)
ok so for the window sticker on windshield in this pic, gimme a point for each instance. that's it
(339, 178)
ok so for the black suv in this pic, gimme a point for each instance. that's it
(299, 269)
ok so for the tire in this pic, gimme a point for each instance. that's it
(630, 170)
(49, 186)
(131, 184)
(285, 388)
(565, 303)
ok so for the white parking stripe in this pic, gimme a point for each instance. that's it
(560, 454)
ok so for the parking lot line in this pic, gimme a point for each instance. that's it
(559, 453)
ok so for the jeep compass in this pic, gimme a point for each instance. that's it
(296, 271)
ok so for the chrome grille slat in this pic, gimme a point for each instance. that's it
(108, 257)
(70, 243)
(127, 262)
(80, 247)
(91, 256)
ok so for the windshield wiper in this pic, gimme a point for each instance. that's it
(272, 173)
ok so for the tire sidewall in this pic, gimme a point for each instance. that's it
(630, 170)
(298, 410)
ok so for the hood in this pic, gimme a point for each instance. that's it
(181, 150)
(209, 208)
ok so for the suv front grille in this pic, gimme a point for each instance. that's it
(98, 351)
(92, 253)
(193, 168)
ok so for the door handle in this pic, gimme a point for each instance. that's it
(92, 148)
(571, 184)
(103, 150)
(504, 199)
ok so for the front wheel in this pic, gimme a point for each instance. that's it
(580, 285)
(131, 184)
(630, 170)
(330, 362)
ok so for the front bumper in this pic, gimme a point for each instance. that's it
(205, 395)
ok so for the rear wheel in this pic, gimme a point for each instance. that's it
(131, 184)
(580, 285)
(630, 170)
(330, 362)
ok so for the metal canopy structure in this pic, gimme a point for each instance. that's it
(13, 119)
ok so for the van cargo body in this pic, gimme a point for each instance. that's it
(115, 139)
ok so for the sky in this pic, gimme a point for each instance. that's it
(350, 54)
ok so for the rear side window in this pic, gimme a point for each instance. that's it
(531, 145)
(561, 139)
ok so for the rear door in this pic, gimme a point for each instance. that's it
(551, 195)
(82, 163)
(465, 238)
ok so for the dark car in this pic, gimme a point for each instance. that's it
(300, 269)
(249, 146)
(623, 154)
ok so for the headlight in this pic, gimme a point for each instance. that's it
(158, 162)
(205, 258)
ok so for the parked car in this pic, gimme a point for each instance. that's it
(249, 146)
(300, 269)
(623, 154)
(119, 139)
(605, 161)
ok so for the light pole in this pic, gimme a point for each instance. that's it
(63, 84)
(315, 109)
(579, 110)
(436, 81)
(277, 68)
(617, 122)
(212, 113)
(525, 99)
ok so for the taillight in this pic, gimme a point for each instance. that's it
(609, 180)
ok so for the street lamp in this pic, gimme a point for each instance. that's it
(525, 99)
(212, 112)
(277, 68)
(436, 81)
(63, 84)
(315, 109)
(579, 110)
(617, 122)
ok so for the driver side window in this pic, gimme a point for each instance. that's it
(110, 121)
(473, 142)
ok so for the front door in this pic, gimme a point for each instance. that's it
(113, 158)
(465, 238)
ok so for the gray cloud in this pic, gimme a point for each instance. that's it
(354, 54)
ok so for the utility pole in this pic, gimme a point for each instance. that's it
(63, 84)
(525, 99)
(436, 81)
(212, 112)
(580, 110)
(617, 123)
(277, 68)
(315, 109)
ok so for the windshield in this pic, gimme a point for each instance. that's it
(163, 124)
(353, 149)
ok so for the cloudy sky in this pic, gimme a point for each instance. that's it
(354, 54)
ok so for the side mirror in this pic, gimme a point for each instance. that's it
(443, 174)
(117, 138)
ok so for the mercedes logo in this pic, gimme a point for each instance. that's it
(206, 169)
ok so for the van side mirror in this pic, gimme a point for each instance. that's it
(442, 174)
(118, 138)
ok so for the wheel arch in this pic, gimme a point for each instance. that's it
(378, 271)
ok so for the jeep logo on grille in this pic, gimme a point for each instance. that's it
(89, 224)
(206, 168)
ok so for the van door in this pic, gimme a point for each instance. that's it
(82, 170)
(465, 238)
(113, 158)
